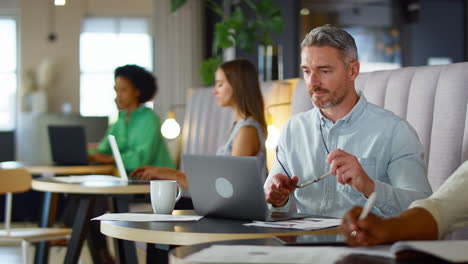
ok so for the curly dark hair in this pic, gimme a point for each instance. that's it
(141, 79)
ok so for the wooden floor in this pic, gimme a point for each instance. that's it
(10, 252)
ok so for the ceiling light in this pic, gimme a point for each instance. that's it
(60, 2)
(305, 12)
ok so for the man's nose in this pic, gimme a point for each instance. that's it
(313, 80)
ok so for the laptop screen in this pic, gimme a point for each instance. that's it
(118, 158)
(225, 186)
(68, 145)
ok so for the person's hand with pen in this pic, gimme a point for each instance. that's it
(364, 232)
(362, 228)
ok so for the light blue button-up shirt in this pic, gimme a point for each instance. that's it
(386, 146)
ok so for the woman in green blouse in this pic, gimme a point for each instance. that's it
(236, 87)
(137, 129)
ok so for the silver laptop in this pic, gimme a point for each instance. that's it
(119, 161)
(229, 187)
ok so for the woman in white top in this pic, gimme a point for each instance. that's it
(432, 218)
(236, 87)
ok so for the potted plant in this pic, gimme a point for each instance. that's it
(238, 30)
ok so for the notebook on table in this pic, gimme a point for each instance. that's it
(229, 187)
(453, 251)
(312, 240)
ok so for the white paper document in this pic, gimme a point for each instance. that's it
(272, 254)
(450, 250)
(136, 217)
(86, 178)
(309, 223)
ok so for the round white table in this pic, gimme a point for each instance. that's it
(168, 234)
(87, 192)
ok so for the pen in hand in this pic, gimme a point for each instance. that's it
(368, 206)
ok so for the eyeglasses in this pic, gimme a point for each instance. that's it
(306, 183)
(323, 140)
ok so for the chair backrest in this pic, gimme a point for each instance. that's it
(14, 180)
(433, 99)
(206, 124)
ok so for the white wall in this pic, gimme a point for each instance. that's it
(178, 56)
(6, 5)
(178, 45)
(34, 27)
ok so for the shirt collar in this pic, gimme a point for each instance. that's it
(123, 113)
(351, 116)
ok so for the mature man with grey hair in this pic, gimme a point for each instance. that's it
(365, 147)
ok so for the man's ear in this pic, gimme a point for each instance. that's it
(353, 69)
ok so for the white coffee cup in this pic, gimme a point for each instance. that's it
(164, 195)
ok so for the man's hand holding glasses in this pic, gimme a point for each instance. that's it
(278, 189)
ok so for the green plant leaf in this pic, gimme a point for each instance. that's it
(246, 39)
(176, 4)
(215, 7)
(277, 24)
(208, 69)
(223, 37)
(241, 31)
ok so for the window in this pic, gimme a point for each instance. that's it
(8, 73)
(378, 48)
(105, 44)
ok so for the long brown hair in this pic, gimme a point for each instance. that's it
(243, 78)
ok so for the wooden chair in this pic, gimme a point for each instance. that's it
(17, 181)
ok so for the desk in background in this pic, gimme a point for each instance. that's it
(59, 170)
(87, 193)
(27, 206)
(29, 202)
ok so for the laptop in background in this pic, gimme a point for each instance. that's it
(118, 158)
(68, 145)
(66, 140)
(119, 162)
(229, 187)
